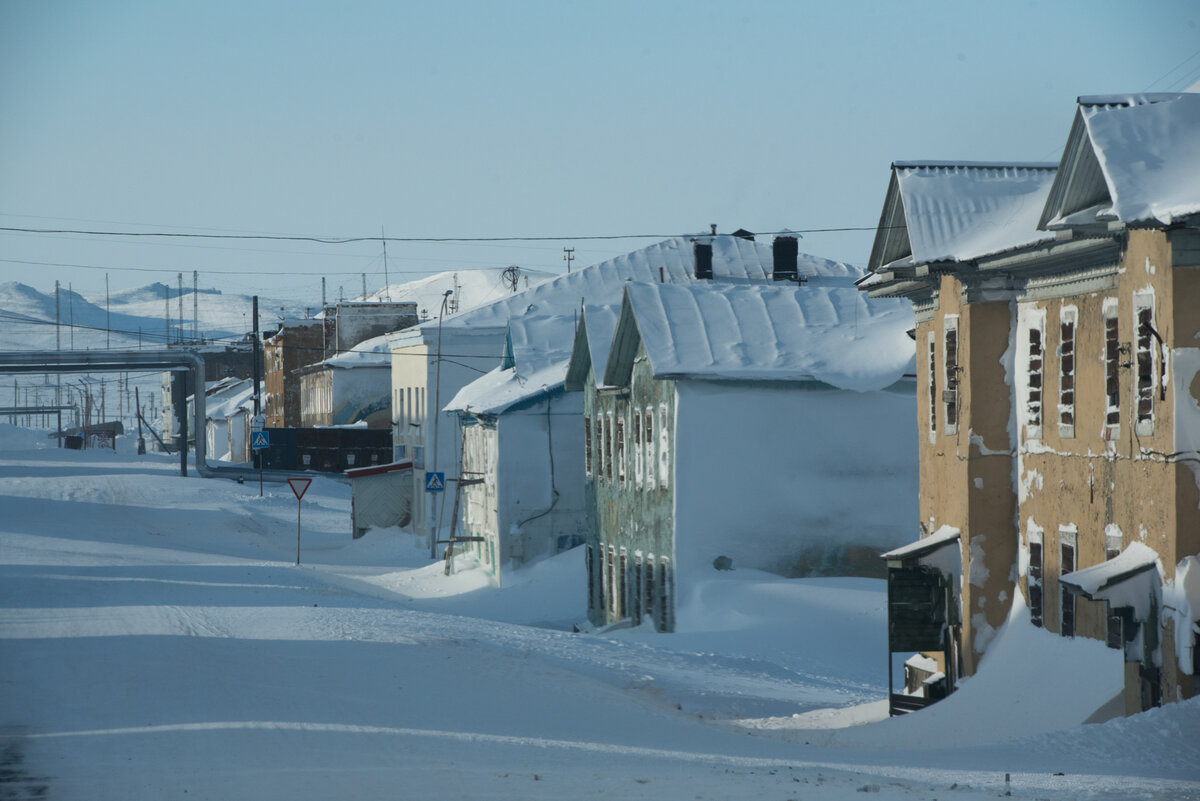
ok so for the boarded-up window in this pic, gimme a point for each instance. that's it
(650, 600)
(649, 441)
(1112, 370)
(1034, 577)
(1066, 374)
(1146, 346)
(933, 398)
(1066, 564)
(1112, 549)
(1033, 399)
(587, 445)
(665, 579)
(950, 363)
(623, 589)
(608, 449)
(637, 448)
(664, 447)
(621, 452)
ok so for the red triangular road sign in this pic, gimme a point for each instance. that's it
(299, 486)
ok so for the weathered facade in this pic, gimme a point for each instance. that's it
(297, 344)
(1057, 402)
(737, 447)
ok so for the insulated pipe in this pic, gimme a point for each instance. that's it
(79, 361)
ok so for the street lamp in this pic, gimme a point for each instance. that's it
(437, 407)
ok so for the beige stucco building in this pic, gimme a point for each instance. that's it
(1058, 335)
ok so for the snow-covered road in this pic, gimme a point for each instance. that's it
(157, 641)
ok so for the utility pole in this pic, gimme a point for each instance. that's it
(364, 294)
(195, 305)
(568, 257)
(58, 347)
(180, 278)
(71, 309)
(322, 293)
(107, 316)
(167, 314)
(387, 294)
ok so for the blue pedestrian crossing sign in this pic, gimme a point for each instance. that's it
(260, 440)
(435, 482)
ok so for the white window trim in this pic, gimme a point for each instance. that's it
(1111, 311)
(664, 448)
(1033, 424)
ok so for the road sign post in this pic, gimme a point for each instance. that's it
(260, 440)
(299, 487)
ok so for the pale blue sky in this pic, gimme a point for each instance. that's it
(517, 119)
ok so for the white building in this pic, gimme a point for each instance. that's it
(472, 343)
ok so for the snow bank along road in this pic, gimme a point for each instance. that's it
(157, 642)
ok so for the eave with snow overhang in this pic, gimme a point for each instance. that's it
(941, 216)
(1129, 160)
(826, 333)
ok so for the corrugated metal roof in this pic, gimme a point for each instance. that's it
(735, 261)
(1132, 158)
(957, 211)
(835, 335)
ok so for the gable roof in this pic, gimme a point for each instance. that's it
(593, 342)
(938, 211)
(835, 335)
(540, 348)
(1128, 158)
(735, 261)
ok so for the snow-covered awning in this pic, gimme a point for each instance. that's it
(925, 546)
(1130, 579)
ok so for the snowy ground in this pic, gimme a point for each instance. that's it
(160, 642)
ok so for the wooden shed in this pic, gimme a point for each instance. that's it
(381, 496)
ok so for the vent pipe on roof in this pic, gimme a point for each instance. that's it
(785, 251)
(704, 259)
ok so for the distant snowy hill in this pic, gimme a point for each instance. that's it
(140, 315)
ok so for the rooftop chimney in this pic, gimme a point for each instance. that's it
(703, 252)
(785, 251)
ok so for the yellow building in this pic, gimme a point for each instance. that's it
(1058, 338)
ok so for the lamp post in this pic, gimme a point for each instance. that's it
(437, 408)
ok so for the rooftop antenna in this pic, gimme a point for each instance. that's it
(511, 277)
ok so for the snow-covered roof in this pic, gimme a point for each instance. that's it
(957, 211)
(373, 352)
(832, 334)
(926, 545)
(540, 346)
(1129, 158)
(735, 261)
(1092, 581)
(226, 401)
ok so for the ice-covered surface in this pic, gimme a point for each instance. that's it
(961, 211)
(1136, 558)
(159, 641)
(229, 400)
(832, 334)
(471, 288)
(926, 545)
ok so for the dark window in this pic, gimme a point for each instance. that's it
(1067, 600)
(1066, 376)
(621, 451)
(1035, 583)
(587, 445)
(1034, 404)
(1112, 375)
(950, 396)
(608, 449)
(1145, 366)
(623, 575)
(933, 399)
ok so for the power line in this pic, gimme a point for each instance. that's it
(407, 239)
